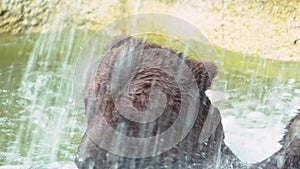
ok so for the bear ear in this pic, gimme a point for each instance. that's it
(204, 73)
(212, 70)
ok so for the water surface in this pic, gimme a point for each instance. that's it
(41, 126)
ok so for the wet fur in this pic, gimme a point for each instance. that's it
(211, 154)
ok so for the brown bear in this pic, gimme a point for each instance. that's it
(140, 90)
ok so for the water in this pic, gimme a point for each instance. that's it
(39, 124)
(259, 108)
(41, 127)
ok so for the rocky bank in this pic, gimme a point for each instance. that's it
(269, 29)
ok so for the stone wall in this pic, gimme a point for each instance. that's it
(267, 28)
(24, 15)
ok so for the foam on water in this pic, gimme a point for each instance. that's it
(40, 126)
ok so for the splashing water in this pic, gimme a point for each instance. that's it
(38, 120)
(40, 127)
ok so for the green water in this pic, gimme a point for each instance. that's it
(41, 125)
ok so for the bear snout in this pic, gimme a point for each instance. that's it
(85, 157)
(84, 162)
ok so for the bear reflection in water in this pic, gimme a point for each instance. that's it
(119, 92)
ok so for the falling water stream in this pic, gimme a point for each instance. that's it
(39, 124)
(40, 127)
